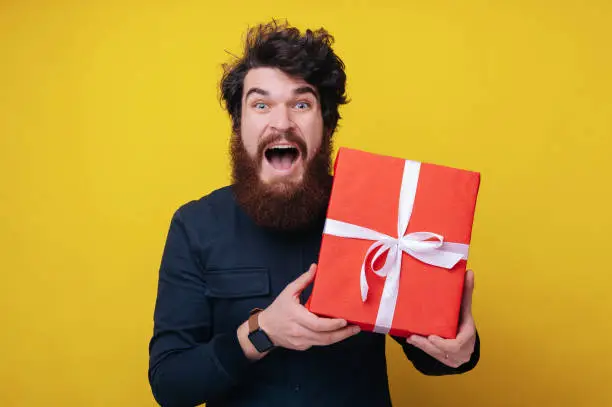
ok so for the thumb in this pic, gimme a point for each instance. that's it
(468, 290)
(299, 284)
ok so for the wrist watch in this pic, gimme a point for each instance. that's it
(260, 340)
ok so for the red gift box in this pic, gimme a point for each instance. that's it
(394, 249)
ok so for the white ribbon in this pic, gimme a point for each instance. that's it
(418, 245)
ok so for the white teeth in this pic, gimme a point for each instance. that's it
(282, 147)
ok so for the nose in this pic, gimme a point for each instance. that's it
(280, 119)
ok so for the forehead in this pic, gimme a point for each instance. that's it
(274, 81)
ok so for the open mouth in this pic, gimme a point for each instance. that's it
(282, 157)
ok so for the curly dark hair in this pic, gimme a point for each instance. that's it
(307, 56)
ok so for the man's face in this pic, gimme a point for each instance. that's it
(281, 125)
(281, 160)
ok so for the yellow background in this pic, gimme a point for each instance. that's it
(109, 120)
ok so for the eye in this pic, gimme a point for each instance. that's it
(302, 105)
(260, 106)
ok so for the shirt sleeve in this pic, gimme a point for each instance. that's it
(188, 364)
(430, 366)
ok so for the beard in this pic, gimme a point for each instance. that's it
(282, 204)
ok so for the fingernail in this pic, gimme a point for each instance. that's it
(356, 330)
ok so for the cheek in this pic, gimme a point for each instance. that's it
(251, 128)
(312, 130)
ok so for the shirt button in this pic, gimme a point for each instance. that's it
(297, 387)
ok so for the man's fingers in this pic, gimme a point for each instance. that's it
(329, 338)
(446, 345)
(318, 324)
(467, 331)
(299, 284)
(427, 346)
(430, 348)
(456, 350)
(468, 290)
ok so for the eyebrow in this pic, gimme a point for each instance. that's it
(305, 89)
(298, 91)
(256, 90)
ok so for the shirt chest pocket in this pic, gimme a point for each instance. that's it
(234, 292)
(237, 283)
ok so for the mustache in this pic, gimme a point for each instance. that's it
(289, 136)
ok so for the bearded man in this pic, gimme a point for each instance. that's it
(230, 325)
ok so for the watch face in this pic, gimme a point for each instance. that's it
(261, 341)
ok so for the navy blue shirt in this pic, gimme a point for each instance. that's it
(217, 265)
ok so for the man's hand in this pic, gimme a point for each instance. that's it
(453, 352)
(290, 325)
